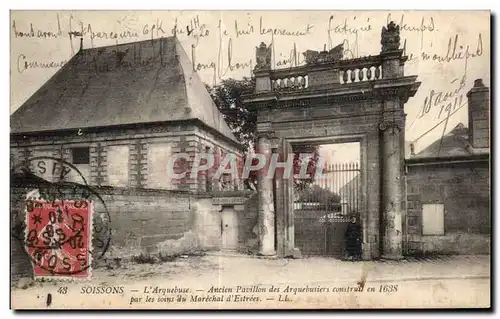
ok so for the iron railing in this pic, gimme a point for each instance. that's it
(336, 191)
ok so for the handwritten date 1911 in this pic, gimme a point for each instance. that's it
(444, 99)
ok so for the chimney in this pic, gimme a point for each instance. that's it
(81, 43)
(479, 115)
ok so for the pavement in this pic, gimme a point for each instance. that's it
(319, 269)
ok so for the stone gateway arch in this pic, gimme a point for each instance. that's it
(331, 100)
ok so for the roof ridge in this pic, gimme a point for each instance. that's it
(457, 136)
(126, 43)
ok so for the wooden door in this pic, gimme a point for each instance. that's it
(229, 229)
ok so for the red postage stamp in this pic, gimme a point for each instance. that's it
(59, 238)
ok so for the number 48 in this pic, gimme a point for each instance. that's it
(62, 290)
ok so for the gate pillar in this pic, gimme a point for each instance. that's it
(392, 127)
(392, 190)
(285, 229)
(266, 201)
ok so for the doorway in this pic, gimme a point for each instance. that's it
(324, 203)
(229, 228)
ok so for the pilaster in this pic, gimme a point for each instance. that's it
(266, 217)
(392, 126)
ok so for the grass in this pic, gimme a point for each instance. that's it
(160, 258)
(144, 259)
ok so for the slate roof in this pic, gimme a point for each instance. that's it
(132, 83)
(455, 143)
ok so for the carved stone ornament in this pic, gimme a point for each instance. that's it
(263, 56)
(316, 57)
(266, 134)
(389, 125)
(275, 141)
(390, 37)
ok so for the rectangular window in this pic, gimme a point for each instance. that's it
(117, 162)
(158, 158)
(80, 155)
(433, 219)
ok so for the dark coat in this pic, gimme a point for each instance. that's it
(352, 238)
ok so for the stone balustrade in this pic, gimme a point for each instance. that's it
(290, 83)
(354, 75)
(340, 72)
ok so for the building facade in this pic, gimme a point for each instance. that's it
(118, 113)
(448, 187)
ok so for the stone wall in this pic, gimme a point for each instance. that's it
(150, 221)
(143, 221)
(20, 262)
(147, 221)
(464, 189)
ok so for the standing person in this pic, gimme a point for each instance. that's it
(352, 238)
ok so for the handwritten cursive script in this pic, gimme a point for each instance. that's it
(455, 51)
(285, 32)
(292, 60)
(37, 33)
(23, 64)
(194, 29)
(426, 25)
(221, 69)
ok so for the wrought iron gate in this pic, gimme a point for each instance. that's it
(323, 209)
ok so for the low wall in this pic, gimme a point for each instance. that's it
(148, 221)
(456, 243)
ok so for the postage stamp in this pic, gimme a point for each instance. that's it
(59, 238)
(250, 159)
(62, 238)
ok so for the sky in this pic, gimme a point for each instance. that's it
(345, 154)
(340, 153)
(220, 41)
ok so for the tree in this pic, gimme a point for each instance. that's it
(227, 95)
(326, 198)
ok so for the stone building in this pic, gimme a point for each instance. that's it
(448, 187)
(117, 114)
